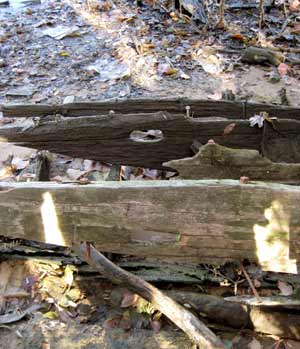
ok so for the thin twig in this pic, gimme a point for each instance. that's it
(250, 283)
(261, 14)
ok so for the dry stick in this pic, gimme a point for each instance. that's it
(261, 14)
(221, 23)
(250, 283)
(185, 320)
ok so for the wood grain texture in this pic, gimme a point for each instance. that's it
(183, 221)
(108, 138)
(200, 108)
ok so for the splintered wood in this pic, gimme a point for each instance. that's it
(182, 221)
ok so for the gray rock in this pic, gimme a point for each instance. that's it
(25, 91)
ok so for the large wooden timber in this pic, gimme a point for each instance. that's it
(111, 138)
(181, 221)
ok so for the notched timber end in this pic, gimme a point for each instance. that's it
(215, 161)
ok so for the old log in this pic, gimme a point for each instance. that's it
(130, 140)
(180, 221)
(269, 320)
(218, 162)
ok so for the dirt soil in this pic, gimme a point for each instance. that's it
(116, 50)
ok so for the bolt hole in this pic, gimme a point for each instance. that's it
(146, 136)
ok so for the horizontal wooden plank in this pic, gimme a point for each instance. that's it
(113, 139)
(200, 108)
(180, 221)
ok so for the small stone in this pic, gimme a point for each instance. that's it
(2, 63)
(69, 99)
(21, 92)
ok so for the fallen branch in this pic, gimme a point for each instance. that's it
(185, 320)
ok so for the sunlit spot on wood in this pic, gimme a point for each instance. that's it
(53, 234)
(272, 240)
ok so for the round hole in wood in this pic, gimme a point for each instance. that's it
(146, 136)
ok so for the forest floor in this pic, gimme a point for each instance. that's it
(57, 49)
(60, 51)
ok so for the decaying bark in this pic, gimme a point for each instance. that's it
(184, 221)
(218, 162)
(184, 319)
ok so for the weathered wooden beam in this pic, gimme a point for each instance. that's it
(215, 161)
(145, 105)
(200, 108)
(183, 221)
(112, 139)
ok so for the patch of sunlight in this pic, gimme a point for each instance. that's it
(109, 25)
(53, 234)
(272, 240)
(3, 140)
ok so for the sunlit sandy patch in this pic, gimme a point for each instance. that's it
(53, 234)
(272, 240)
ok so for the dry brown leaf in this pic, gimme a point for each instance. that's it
(283, 69)
(155, 325)
(296, 29)
(129, 299)
(170, 71)
(7, 172)
(285, 288)
(112, 323)
(294, 5)
(228, 129)
(237, 36)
